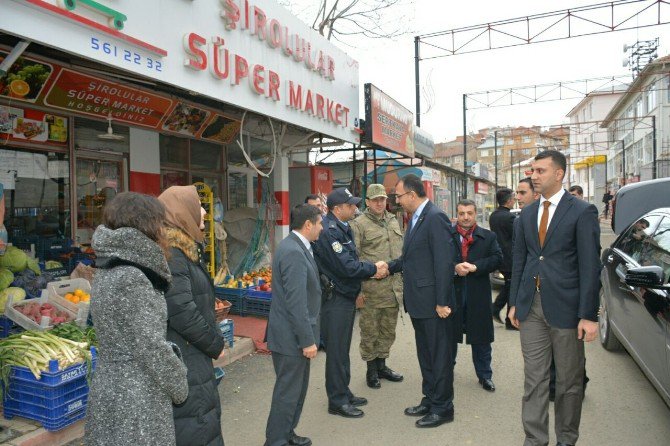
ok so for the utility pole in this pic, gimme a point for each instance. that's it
(495, 148)
(417, 82)
(511, 166)
(465, 147)
(653, 150)
(623, 161)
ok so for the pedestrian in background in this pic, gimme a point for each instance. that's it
(607, 199)
(336, 256)
(554, 299)
(293, 325)
(525, 193)
(378, 236)
(315, 200)
(501, 223)
(427, 264)
(577, 191)
(138, 375)
(477, 255)
(191, 319)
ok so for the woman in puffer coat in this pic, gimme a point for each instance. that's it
(138, 375)
(191, 319)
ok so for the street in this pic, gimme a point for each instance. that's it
(621, 406)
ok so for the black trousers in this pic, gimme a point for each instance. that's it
(503, 297)
(290, 389)
(435, 350)
(337, 325)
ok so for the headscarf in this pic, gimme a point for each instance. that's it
(182, 210)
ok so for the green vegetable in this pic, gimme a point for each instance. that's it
(34, 266)
(14, 259)
(18, 294)
(52, 264)
(6, 278)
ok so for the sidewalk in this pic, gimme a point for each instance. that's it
(23, 432)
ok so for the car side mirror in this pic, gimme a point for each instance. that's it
(652, 277)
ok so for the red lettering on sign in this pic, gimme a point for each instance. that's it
(230, 14)
(275, 33)
(192, 44)
(258, 80)
(285, 42)
(309, 103)
(260, 21)
(319, 106)
(273, 85)
(294, 96)
(346, 116)
(331, 69)
(321, 65)
(241, 69)
(338, 114)
(219, 59)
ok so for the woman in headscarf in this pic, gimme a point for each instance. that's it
(138, 375)
(191, 318)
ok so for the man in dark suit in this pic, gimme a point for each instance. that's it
(477, 255)
(427, 264)
(501, 223)
(554, 299)
(293, 324)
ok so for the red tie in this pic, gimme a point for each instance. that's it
(543, 233)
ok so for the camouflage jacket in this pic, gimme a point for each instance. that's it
(379, 238)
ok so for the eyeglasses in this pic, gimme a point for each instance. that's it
(397, 197)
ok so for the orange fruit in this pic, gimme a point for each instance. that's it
(86, 298)
(19, 88)
(69, 296)
(78, 292)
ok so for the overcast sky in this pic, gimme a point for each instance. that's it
(390, 65)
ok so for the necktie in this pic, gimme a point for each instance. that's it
(415, 218)
(543, 222)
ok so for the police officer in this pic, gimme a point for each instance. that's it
(336, 256)
(378, 236)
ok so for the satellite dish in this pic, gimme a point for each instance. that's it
(110, 136)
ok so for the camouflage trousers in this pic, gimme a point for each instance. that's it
(377, 331)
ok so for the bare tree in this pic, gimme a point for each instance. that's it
(376, 19)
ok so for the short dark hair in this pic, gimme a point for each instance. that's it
(466, 202)
(134, 210)
(504, 195)
(311, 197)
(556, 157)
(301, 213)
(529, 182)
(577, 189)
(413, 183)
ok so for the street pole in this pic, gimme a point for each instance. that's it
(495, 148)
(374, 165)
(653, 150)
(623, 161)
(417, 82)
(365, 171)
(511, 166)
(465, 148)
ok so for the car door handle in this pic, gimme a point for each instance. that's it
(610, 258)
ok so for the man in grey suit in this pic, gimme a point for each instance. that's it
(293, 328)
(554, 299)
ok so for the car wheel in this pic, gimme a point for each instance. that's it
(607, 338)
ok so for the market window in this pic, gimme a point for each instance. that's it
(206, 156)
(174, 151)
(37, 195)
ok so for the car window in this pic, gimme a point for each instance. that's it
(636, 240)
(659, 248)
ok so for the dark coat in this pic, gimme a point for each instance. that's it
(427, 264)
(501, 223)
(474, 290)
(568, 263)
(192, 326)
(296, 299)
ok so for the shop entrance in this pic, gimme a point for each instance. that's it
(99, 179)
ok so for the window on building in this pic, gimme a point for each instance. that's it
(651, 97)
(484, 153)
(639, 107)
(526, 139)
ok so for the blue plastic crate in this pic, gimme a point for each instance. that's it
(42, 413)
(48, 397)
(49, 424)
(257, 306)
(53, 377)
(8, 327)
(53, 248)
(227, 328)
(258, 294)
(233, 295)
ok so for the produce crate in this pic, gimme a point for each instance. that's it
(82, 257)
(49, 397)
(8, 327)
(57, 291)
(222, 312)
(54, 377)
(257, 306)
(257, 293)
(28, 323)
(52, 425)
(53, 248)
(227, 328)
(233, 295)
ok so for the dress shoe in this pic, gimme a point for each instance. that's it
(432, 420)
(297, 440)
(417, 411)
(346, 411)
(487, 384)
(564, 444)
(358, 401)
(386, 373)
(496, 315)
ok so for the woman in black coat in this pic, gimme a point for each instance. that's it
(191, 319)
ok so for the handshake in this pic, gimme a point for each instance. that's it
(382, 270)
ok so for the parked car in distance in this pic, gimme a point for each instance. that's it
(634, 299)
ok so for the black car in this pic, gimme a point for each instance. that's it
(634, 302)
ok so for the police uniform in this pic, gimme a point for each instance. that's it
(335, 254)
(378, 237)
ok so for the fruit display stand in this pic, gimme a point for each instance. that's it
(57, 399)
(27, 323)
(207, 201)
(58, 291)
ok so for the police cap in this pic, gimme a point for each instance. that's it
(341, 196)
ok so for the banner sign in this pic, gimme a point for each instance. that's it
(387, 123)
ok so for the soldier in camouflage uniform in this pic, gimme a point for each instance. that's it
(377, 236)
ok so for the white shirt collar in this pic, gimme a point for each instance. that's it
(303, 240)
(554, 199)
(419, 210)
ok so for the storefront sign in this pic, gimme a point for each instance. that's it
(186, 119)
(81, 93)
(481, 188)
(25, 80)
(221, 129)
(387, 123)
(252, 54)
(423, 143)
(31, 125)
(432, 175)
